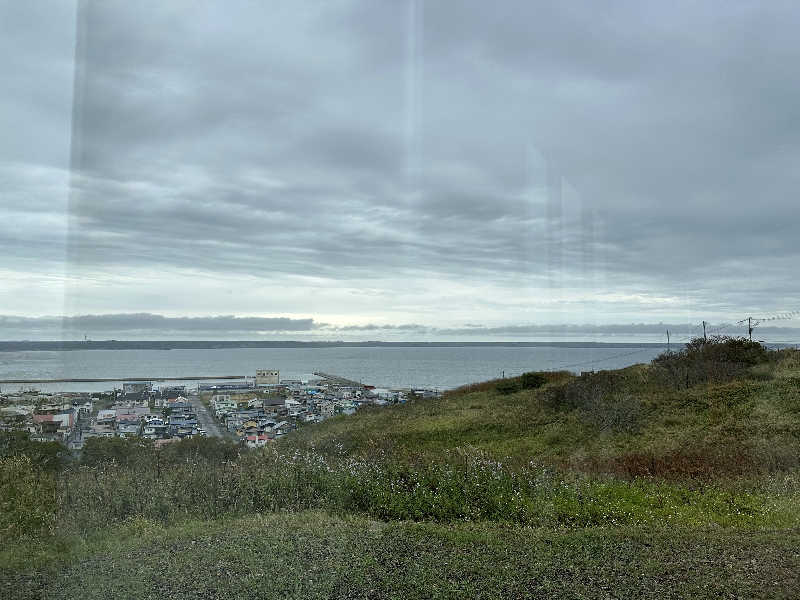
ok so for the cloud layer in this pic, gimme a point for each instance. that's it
(367, 164)
(147, 326)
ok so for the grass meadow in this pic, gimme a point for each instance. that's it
(680, 478)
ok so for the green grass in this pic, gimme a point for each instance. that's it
(319, 555)
(745, 425)
(624, 484)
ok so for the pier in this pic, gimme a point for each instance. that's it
(336, 380)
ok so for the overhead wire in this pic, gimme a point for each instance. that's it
(605, 358)
(613, 356)
(784, 315)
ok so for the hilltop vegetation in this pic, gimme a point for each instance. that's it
(680, 467)
(723, 408)
(313, 555)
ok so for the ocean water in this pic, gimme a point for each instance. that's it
(430, 367)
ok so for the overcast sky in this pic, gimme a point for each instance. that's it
(395, 169)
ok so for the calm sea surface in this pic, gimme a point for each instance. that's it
(431, 367)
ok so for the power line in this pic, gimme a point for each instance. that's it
(594, 360)
(753, 322)
(613, 356)
(780, 316)
(750, 326)
(721, 328)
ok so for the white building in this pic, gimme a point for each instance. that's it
(223, 404)
(136, 387)
(267, 377)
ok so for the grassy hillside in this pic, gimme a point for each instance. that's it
(628, 422)
(680, 478)
(317, 555)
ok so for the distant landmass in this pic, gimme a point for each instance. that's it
(21, 346)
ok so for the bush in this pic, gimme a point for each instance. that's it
(507, 386)
(620, 414)
(586, 391)
(470, 485)
(491, 385)
(716, 360)
(50, 456)
(27, 497)
(200, 448)
(532, 380)
(122, 451)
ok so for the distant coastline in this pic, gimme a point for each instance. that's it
(23, 346)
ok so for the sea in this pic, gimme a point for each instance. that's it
(384, 367)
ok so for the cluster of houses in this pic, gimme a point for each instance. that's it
(250, 417)
(255, 413)
(137, 421)
(161, 415)
(45, 417)
(72, 418)
(267, 411)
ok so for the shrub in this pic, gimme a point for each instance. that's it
(50, 456)
(585, 391)
(27, 497)
(470, 485)
(620, 414)
(491, 385)
(98, 451)
(196, 448)
(507, 386)
(715, 360)
(532, 380)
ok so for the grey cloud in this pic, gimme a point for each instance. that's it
(678, 331)
(154, 326)
(142, 323)
(586, 329)
(153, 322)
(409, 327)
(339, 143)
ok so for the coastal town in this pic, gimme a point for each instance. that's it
(254, 411)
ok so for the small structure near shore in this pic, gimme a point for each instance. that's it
(267, 377)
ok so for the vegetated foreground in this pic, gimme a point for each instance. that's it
(318, 555)
(674, 479)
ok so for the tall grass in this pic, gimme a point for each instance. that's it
(626, 449)
(28, 497)
(469, 486)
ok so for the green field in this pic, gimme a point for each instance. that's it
(677, 479)
(319, 555)
(628, 422)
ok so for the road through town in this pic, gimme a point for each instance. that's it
(205, 419)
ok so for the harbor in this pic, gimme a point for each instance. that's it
(253, 410)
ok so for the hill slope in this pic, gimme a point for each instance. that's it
(628, 422)
(316, 555)
(670, 480)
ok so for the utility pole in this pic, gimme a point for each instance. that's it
(749, 326)
(705, 338)
(668, 348)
